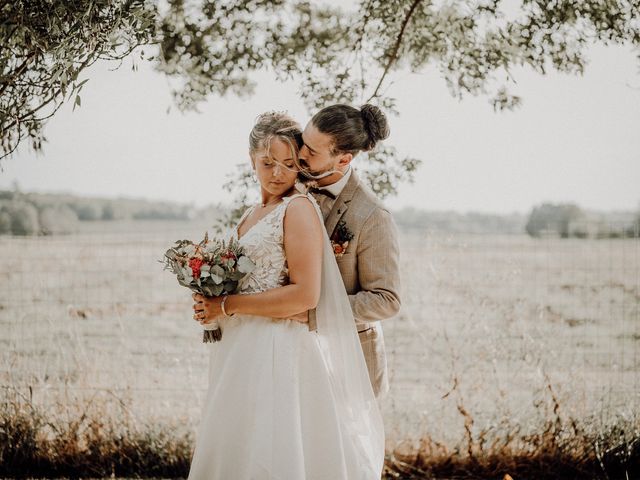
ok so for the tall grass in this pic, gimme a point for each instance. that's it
(98, 437)
(562, 447)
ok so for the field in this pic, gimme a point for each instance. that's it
(497, 334)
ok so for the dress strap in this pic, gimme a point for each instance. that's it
(245, 214)
(241, 220)
(286, 200)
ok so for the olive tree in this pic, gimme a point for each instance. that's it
(335, 53)
(44, 47)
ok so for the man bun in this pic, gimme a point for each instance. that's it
(375, 123)
(352, 130)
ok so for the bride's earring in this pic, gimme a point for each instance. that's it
(254, 177)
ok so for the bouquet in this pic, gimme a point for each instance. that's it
(211, 268)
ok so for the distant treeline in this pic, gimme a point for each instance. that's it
(47, 214)
(410, 218)
(568, 220)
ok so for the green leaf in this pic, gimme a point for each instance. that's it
(236, 275)
(245, 265)
(217, 274)
(81, 84)
(217, 290)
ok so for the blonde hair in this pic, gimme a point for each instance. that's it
(270, 125)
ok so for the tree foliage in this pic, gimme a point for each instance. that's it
(334, 53)
(45, 45)
(552, 218)
(350, 56)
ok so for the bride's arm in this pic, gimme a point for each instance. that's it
(303, 250)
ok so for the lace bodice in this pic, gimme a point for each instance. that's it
(264, 244)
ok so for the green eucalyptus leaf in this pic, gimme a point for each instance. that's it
(217, 290)
(245, 265)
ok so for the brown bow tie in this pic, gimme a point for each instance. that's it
(322, 191)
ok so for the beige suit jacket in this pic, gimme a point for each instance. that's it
(370, 271)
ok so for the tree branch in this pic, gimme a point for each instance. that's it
(41, 119)
(396, 48)
(15, 145)
(17, 72)
(28, 114)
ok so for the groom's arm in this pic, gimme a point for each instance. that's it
(378, 257)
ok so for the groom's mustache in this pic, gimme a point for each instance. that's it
(308, 176)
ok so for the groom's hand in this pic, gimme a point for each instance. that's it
(302, 317)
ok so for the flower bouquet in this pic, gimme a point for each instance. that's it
(211, 268)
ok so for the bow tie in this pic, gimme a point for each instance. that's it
(322, 191)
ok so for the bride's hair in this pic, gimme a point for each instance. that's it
(280, 125)
(352, 130)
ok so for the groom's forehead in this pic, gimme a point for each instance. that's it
(314, 139)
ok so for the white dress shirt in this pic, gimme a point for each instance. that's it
(325, 202)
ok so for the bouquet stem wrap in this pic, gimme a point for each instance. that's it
(213, 334)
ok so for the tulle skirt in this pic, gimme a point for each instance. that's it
(269, 412)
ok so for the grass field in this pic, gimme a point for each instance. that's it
(497, 336)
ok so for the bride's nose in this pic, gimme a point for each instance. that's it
(277, 169)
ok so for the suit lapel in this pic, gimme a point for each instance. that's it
(341, 205)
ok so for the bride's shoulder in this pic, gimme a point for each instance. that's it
(302, 220)
(297, 195)
(300, 207)
(301, 199)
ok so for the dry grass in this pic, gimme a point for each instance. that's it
(561, 448)
(510, 356)
(79, 440)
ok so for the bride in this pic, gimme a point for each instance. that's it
(284, 402)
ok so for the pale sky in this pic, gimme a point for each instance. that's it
(575, 139)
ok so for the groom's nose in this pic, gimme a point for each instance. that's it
(303, 153)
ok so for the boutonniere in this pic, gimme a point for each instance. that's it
(340, 239)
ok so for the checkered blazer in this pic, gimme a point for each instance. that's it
(370, 270)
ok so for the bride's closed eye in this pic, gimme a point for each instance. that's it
(288, 164)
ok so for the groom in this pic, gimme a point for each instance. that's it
(362, 231)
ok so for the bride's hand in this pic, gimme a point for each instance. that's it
(206, 309)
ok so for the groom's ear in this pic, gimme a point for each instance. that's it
(345, 159)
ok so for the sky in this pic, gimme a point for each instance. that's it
(575, 139)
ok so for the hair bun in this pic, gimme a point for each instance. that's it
(375, 123)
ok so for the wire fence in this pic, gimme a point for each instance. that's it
(497, 328)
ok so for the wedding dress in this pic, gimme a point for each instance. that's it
(286, 403)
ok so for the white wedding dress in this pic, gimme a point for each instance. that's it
(286, 403)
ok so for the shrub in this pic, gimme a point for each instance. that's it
(5, 223)
(552, 218)
(57, 219)
(87, 210)
(23, 217)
